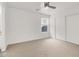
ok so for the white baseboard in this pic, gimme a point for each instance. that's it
(30, 39)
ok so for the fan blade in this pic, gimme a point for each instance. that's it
(52, 7)
(46, 4)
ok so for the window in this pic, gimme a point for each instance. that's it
(44, 24)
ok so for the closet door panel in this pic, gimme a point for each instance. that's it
(72, 27)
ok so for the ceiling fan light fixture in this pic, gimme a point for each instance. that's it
(47, 4)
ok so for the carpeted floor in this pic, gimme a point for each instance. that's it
(42, 48)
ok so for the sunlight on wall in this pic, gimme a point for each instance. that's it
(0, 17)
(0, 9)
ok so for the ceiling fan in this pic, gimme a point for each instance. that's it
(45, 8)
(47, 4)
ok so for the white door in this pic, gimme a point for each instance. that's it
(72, 28)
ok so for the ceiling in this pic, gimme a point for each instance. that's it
(25, 5)
(33, 6)
(66, 5)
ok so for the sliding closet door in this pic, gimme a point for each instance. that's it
(72, 28)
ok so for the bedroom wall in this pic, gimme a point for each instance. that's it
(61, 21)
(23, 26)
(72, 22)
(60, 25)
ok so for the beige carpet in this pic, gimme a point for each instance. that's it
(42, 48)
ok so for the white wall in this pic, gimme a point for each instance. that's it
(53, 26)
(2, 26)
(23, 26)
(1, 18)
(72, 22)
(60, 25)
(72, 28)
(61, 22)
